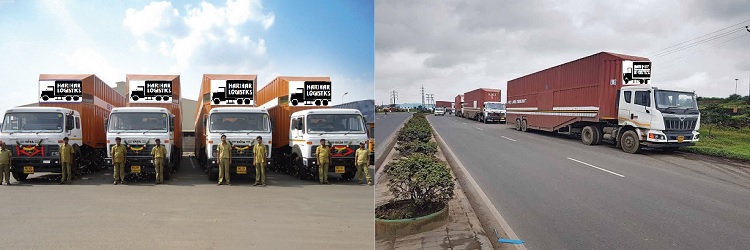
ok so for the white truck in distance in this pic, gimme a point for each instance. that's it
(139, 127)
(343, 129)
(241, 125)
(440, 111)
(492, 112)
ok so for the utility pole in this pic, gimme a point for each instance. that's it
(422, 90)
(735, 85)
(394, 97)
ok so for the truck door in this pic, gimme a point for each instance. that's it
(297, 128)
(635, 108)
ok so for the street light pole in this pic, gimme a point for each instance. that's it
(735, 85)
(342, 97)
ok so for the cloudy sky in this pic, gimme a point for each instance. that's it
(113, 38)
(452, 47)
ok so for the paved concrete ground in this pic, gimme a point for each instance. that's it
(189, 212)
(463, 230)
(555, 193)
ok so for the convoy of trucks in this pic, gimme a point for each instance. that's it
(458, 104)
(605, 97)
(34, 134)
(242, 123)
(298, 129)
(139, 124)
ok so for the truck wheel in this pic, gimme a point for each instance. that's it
(629, 142)
(295, 102)
(599, 134)
(325, 102)
(158, 98)
(168, 173)
(68, 98)
(135, 98)
(299, 170)
(75, 98)
(45, 98)
(317, 102)
(20, 176)
(247, 101)
(347, 176)
(166, 98)
(212, 176)
(588, 135)
(518, 125)
(524, 126)
(216, 101)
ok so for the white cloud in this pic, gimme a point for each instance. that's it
(152, 18)
(94, 63)
(164, 48)
(143, 45)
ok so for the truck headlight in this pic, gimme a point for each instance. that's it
(55, 153)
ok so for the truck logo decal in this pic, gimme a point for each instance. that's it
(29, 150)
(232, 92)
(310, 93)
(339, 151)
(241, 149)
(150, 91)
(638, 72)
(137, 149)
(60, 91)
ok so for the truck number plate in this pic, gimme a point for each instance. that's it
(340, 169)
(135, 169)
(242, 170)
(680, 138)
(28, 169)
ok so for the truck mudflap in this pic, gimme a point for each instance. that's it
(30, 166)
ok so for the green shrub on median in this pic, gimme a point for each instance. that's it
(421, 179)
(409, 148)
(416, 129)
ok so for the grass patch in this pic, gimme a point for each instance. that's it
(727, 143)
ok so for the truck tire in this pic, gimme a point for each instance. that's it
(212, 176)
(588, 135)
(168, 173)
(166, 98)
(217, 101)
(524, 126)
(295, 102)
(135, 98)
(347, 176)
(20, 176)
(45, 98)
(75, 98)
(300, 171)
(247, 101)
(317, 102)
(325, 102)
(599, 135)
(518, 125)
(158, 98)
(629, 142)
(68, 98)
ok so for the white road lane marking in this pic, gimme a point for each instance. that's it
(507, 138)
(192, 163)
(595, 167)
(479, 128)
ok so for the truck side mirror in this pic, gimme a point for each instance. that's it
(106, 124)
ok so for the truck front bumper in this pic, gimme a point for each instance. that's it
(40, 164)
(348, 165)
(236, 166)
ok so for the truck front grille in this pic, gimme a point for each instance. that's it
(339, 151)
(139, 150)
(34, 151)
(239, 151)
(687, 124)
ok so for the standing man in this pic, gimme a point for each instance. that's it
(323, 153)
(159, 152)
(363, 161)
(5, 158)
(224, 151)
(118, 158)
(259, 151)
(66, 157)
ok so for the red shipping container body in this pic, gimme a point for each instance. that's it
(443, 104)
(274, 97)
(174, 107)
(97, 101)
(458, 102)
(581, 90)
(477, 97)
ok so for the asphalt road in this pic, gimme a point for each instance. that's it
(385, 126)
(557, 193)
(189, 212)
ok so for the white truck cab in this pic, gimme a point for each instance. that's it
(659, 117)
(493, 112)
(343, 130)
(34, 136)
(440, 111)
(139, 127)
(241, 125)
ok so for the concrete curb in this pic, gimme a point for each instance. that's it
(474, 188)
(391, 141)
(392, 228)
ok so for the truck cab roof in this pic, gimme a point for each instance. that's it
(237, 110)
(39, 109)
(327, 111)
(139, 109)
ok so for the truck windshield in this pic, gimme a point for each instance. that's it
(673, 99)
(33, 122)
(239, 122)
(144, 122)
(335, 123)
(494, 105)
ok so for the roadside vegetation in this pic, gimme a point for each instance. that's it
(725, 128)
(420, 182)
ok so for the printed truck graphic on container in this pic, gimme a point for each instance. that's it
(150, 91)
(310, 93)
(232, 92)
(60, 91)
(640, 71)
